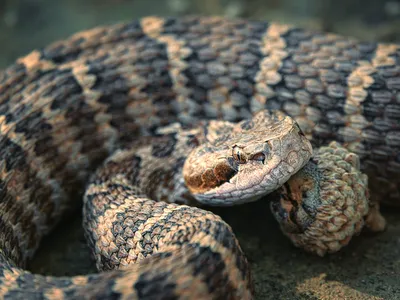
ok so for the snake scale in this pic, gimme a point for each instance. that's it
(65, 108)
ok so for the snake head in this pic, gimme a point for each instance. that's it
(322, 206)
(251, 159)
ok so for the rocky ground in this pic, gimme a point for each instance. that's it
(368, 269)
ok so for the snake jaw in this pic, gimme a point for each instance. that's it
(324, 205)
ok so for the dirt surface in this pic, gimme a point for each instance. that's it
(368, 269)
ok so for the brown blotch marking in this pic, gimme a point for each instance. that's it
(223, 172)
(86, 81)
(152, 26)
(54, 293)
(33, 61)
(209, 179)
(298, 185)
(383, 55)
(194, 182)
(89, 34)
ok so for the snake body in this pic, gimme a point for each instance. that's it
(66, 107)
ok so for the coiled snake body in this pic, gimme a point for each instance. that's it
(66, 107)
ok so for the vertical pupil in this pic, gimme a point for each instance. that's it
(238, 155)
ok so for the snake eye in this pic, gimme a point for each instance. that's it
(258, 157)
(239, 155)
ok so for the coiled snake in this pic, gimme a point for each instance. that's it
(150, 89)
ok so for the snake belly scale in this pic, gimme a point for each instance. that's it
(68, 106)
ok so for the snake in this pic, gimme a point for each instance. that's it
(146, 123)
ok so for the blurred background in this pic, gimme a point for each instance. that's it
(28, 24)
